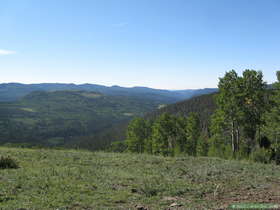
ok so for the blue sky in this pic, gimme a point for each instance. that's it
(170, 44)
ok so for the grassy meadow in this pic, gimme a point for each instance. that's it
(72, 179)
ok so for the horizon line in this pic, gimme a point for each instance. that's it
(79, 84)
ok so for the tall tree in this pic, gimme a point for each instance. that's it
(181, 135)
(254, 104)
(242, 101)
(164, 138)
(219, 132)
(137, 133)
(193, 133)
(272, 118)
(229, 101)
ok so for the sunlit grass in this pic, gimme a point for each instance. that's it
(70, 179)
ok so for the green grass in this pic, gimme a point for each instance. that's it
(70, 179)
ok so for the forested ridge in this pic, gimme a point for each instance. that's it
(60, 118)
(16, 91)
(242, 121)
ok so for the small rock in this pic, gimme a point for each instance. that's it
(175, 205)
(170, 199)
(139, 207)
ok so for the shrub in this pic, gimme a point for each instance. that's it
(118, 146)
(202, 146)
(8, 162)
(152, 187)
(260, 155)
(275, 154)
(217, 147)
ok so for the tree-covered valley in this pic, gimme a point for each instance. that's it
(80, 149)
(74, 115)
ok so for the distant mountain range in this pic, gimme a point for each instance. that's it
(16, 91)
(68, 114)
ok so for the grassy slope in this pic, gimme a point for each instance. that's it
(52, 179)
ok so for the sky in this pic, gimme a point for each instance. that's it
(165, 44)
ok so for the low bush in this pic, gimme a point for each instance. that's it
(260, 155)
(8, 162)
(275, 154)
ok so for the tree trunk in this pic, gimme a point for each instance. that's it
(233, 137)
(237, 138)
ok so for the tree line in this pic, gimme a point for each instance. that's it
(245, 124)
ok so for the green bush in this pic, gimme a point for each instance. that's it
(260, 155)
(275, 154)
(8, 162)
(217, 147)
(202, 146)
(118, 146)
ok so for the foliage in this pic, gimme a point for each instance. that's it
(118, 146)
(164, 135)
(8, 162)
(241, 106)
(202, 147)
(137, 134)
(275, 153)
(260, 155)
(203, 105)
(169, 135)
(192, 133)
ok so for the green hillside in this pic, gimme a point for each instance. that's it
(69, 179)
(16, 91)
(52, 118)
(203, 105)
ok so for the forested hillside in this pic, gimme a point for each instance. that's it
(203, 105)
(241, 121)
(15, 91)
(56, 118)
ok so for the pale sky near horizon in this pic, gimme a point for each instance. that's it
(166, 44)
